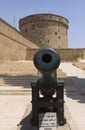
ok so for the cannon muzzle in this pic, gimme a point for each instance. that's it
(46, 59)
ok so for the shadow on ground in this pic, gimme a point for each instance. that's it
(76, 90)
(19, 80)
(74, 85)
(25, 123)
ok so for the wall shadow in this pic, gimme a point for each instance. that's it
(19, 80)
(25, 123)
(75, 87)
(76, 90)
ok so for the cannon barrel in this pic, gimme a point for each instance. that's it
(47, 60)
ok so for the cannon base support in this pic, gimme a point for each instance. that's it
(48, 104)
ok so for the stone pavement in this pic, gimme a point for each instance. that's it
(76, 74)
(75, 100)
(15, 113)
(12, 109)
(26, 125)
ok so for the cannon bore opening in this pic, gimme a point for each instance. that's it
(46, 58)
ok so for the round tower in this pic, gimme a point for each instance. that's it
(45, 30)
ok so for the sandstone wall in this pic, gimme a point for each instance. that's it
(65, 54)
(12, 44)
(45, 30)
(9, 50)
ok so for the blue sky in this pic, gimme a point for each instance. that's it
(12, 10)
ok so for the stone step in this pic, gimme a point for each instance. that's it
(28, 91)
(14, 74)
(15, 83)
(16, 80)
(15, 92)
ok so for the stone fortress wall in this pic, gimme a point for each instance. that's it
(71, 54)
(45, 30)
(13, 45)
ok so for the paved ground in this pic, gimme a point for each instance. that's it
(75, 100)
(76, 74)
(80, 65)
(12, 107)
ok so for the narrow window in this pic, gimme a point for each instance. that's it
(55, 33)
(59, 37)
(48, 41)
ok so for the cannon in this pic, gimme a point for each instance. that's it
(47, 90)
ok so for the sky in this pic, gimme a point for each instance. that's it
(12, 10)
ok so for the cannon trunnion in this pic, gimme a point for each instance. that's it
(47, 91)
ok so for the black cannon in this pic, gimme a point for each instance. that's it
(47, 90)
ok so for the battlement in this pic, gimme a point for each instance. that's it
(44, 17)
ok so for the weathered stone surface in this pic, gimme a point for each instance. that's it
(12, 44)
(45, 30)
